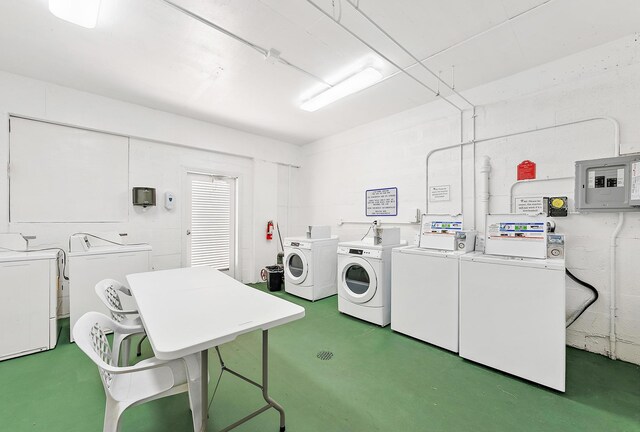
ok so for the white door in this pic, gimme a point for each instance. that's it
(359, 280)
(296, 266)
(210, 216)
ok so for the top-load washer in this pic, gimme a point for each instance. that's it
(93, 258)
(310, 265)
(29, 303)
(512, 300)
(364, 277)
(425, 281)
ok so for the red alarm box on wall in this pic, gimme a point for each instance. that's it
(526, 170)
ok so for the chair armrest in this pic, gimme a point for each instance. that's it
(123, 289)
(118, 311)
(127, 312)
(150, 363)
(126, 330)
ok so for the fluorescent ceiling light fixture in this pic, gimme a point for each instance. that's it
(354, 83)
(81, 12)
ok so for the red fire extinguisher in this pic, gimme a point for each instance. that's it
(270, 230)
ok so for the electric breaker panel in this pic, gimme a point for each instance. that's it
(444, 232)
(516, 235)
(610, 184)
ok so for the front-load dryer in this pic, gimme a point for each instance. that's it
(310, 267)
(364, 281)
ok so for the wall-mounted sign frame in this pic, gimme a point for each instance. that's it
(530, 205)
(381, 202)
(440, 193)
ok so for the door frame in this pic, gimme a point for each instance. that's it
(184, 223)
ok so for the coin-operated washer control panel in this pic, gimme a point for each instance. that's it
(555, 245)
(516, 235)
(445, 232)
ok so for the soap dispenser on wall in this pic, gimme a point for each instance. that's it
(169, 200)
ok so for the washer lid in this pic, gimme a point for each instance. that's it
(296, 266)
(358, 280)
(9, 256)
(112, 249)
(551, 264)
(415, 250)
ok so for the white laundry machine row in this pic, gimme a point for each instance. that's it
(425, 282)
(310, 267)
(92, 260)
(29, 304)
(364, 278)
(512, 302)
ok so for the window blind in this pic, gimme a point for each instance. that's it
(210, 223)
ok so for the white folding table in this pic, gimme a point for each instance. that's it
(190, 310)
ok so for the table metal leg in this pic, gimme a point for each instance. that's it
(265, 379)
(204, 387)
(264, 387)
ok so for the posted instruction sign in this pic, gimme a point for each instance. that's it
(440, 193)
(382, 202)
(529, 205)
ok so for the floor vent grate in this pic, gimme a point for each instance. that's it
(325, 355)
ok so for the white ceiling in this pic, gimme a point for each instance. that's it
(145, 52)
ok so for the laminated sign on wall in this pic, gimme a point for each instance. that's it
(440, 193)
(382, 202)
(529, 205)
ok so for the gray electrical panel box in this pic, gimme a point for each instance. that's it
(610, 184)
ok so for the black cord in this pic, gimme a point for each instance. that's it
(104, 239)
(60, 250)
(587, 285)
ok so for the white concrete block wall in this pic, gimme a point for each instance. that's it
(603, 81)
(153, 162)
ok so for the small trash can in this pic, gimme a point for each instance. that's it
(275, 277)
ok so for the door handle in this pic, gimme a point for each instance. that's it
(188, 232)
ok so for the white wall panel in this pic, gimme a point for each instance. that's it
(153, 162)
(603, 81)
(65, 174)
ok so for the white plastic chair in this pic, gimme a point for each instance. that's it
(109, 290)
(133, 385)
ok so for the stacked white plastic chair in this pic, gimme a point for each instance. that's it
(148, 380)
(109, 290)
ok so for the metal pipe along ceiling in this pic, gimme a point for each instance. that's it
(258, 48)
(406, 51)
(368, 45)
(616, 144)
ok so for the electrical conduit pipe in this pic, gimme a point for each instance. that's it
(614, 235)
(612, 287)
(483, 192)
(613, 245)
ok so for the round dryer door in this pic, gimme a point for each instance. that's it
(296, 266)
(359, 280)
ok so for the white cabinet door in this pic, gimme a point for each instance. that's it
(512, 318)
(24, 307)
(87, 270)
(424, 298)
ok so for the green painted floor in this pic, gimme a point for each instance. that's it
(377, 380)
